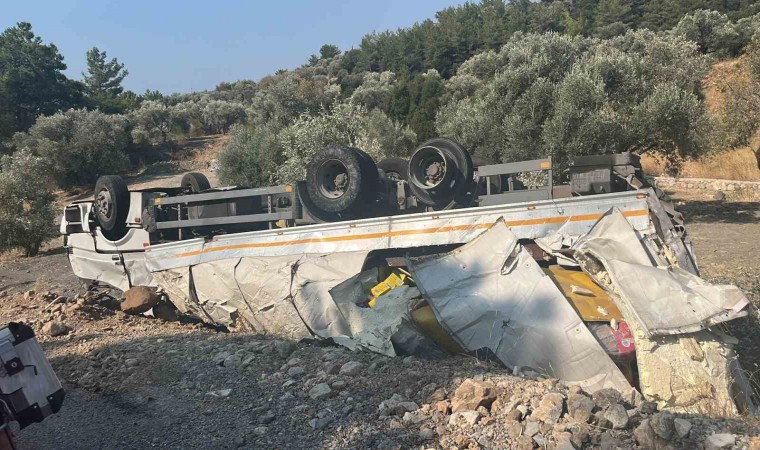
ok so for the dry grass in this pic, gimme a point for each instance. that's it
(737, 164)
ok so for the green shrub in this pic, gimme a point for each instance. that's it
(217, 116)
(26, 202)
(79, 145)
(251, 157)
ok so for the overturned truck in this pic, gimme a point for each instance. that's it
(593, 282)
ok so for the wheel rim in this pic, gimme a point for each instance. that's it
(333, 178)
(429, 168)
(104, 204)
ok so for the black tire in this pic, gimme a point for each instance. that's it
(395, 168)
(111, 203)
(371, 172)
(339, 179)
(196, 182)
(455, 183)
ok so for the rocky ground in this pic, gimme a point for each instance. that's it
(140, 382)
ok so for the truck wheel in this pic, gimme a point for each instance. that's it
(111, 202)
(196, 182)
(339, 178)
(440, 170)
(371, 173)
(396, 169)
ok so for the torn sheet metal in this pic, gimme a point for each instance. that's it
(662, 299)
(285, 296)
(491, 294)
(372, 328)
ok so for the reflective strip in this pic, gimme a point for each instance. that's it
(387, 234)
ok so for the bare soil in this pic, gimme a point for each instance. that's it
(138, 382)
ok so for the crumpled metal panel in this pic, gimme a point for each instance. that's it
(372, 328)
(265, 284)
(219, 295)
(663, 299)
(491, 294)
(314, 277)
(285, 296)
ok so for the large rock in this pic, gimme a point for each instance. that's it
(580, 407)
(139, 299)
(719, 441)
(351, 368)
(471, 394)
(682, 427)
(55, 328)
(396, 406)
(550, 408)
(617, 416)
(320, 391)
(606, 397)
(470, 417)
(663, 424)
(645, 435)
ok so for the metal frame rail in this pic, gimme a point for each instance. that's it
(198, 200)
(511, 195)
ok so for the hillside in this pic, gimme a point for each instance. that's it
(738, 163)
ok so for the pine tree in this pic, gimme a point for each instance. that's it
(103, 78)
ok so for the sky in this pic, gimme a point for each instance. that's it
(192, 45)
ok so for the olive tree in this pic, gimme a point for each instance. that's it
(713, 32)
(154, 121)
(739, 114)
(375, 91)
(79, 144)
(217, 116)
(561, 96)
(27, 218)
(346, 124)
(251, 157)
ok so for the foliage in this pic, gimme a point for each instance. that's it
(217, 116)
(344, 123)
(102, 83)
(153, 122)
(561, 96)
(251, 157)
(31, 80)
(27, 218)
(713, 32)
(283, 97)
(103, 77)
(79, 145)
(740, 112)
(376, 90)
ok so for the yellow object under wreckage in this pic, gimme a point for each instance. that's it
(394, 280)
(589, 300)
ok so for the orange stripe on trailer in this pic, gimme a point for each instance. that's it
(387, 234)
